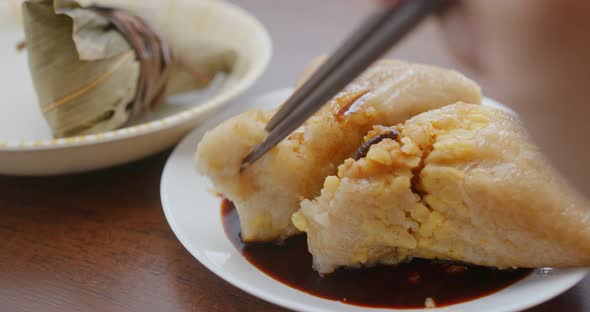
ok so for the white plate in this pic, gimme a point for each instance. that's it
(193, 212)
(26, 144)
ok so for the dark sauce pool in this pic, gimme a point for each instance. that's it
(404, 286)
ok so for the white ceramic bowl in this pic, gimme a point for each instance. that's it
(26, 144)
(193, 212)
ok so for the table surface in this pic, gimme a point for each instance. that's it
(99, 241)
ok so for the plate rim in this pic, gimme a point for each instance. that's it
(573, 279)
(251, 76)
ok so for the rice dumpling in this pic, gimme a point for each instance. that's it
(269, 191)
(96, 68)
(460, 183)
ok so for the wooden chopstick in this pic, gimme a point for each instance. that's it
(377, 35)
(337, 59)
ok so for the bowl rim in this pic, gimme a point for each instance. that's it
(257, 68)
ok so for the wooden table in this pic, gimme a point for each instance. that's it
(99, 242)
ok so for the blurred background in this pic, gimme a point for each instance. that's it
(302, 30)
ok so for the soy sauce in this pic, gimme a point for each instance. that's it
(403, 286)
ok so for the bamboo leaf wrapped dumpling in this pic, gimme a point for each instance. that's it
(96, 69)
(85, 78)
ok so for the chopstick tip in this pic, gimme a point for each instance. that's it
(249, 159)
(245, 164)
